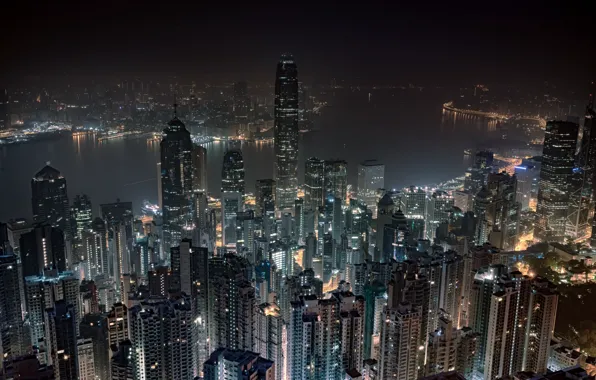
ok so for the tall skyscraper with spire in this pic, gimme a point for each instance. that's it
(286, 131)
(176, 182)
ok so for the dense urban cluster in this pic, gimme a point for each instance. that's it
(305, 279)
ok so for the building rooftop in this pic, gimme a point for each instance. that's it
(47, 173)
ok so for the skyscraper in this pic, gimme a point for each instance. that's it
(62, 339)
(230, 364)
(232, 303)
(286, 131)
(371, 178)
(558, 158)
(161, 336)
(265, 197)
(49, 199)
(314, 181)
(11, 323)
(199, 167)
(336, 180)
(42, 248)
(269, 338)
(232, 174)
(176, 183)
(81, 213)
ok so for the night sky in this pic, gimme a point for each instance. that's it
(371, 42)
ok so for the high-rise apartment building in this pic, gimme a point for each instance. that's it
(371, 178)
(286, 132)
(199, 168)
(117, 324)
(439, 206)
(230, 364)
(162, 340)
(61, 337)
(43, 248)
(86, 359)
(49, 199)
(400, 348)
(232, 303)
(269, 337)
(11, 313)
(558, 159)
(176, 183)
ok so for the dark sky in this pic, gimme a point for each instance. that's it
(397, 41)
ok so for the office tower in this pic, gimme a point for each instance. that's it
(61, 335)
(86, 359)
(286, 132)
(265, 197)
(450, 348)
(542, 314)
(159, 189)
(528, 174)
(42, 248)
(199, 168)
(497, 212)
(558, 157)
(269, 337)
(11, 313)
(476, 175)
(121, 365)
(232, 302)
(117, 324)
(439, 205)
(400, 342)
(93, 326)
(81, 214)
(313, 339)
(230, 364)
(507, 327)
(95, 248)
(119, 253)
(49, 199)
(413, 202)
(241, 102)
(176, 183)
(232, 174)
(314, 180)
(162, 342)
(335, 180)
(231, 203)
(371, 178)
(396, 237)
(309, 252)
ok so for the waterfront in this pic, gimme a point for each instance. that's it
(407, 130)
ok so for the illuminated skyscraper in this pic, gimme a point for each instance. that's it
(176, 183)
(61, 337)
(161, 336)
(49, 199)
(11, 323)
(199, 167)
(81, 213)
(265, 197)
(232, 174)
(371, 178)
(42, 248)
(269, 338)
(286, 131)
(558, 158)
(314, 180)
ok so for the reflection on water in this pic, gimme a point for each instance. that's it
(451, 119)
(409, 133)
